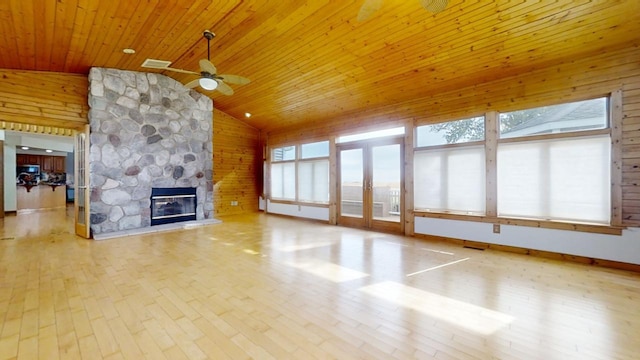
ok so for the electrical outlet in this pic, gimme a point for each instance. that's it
(496, 228)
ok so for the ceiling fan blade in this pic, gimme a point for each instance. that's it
(193, 83)
(235, 79)
(181, 71)
(368, 8)
(224, 88)
(434, 6)
(207, 66)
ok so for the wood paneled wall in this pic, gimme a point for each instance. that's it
(631, 152)
(44, 98)
(237, 163)
(1, 178)
(574, 79)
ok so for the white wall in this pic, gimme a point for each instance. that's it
(10, 190)
(62, 144)
(624, 248)
(308, 212)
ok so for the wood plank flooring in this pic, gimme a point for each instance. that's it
(267, 287)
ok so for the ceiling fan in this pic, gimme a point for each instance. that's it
(209, 78)
(371, 6)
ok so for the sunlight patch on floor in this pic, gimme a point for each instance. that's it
(438, 251)
(437, 267)
(305, 246)
(327, 270)
(455, 312)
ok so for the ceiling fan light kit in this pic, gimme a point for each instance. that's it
(208, 75)
(207, 84)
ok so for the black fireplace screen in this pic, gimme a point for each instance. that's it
(170, 205)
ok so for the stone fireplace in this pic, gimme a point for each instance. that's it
(147, 132)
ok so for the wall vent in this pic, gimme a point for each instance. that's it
(156, 64)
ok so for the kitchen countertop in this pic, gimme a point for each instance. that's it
(41, 196)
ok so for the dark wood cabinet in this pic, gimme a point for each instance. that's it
(59, 164)
(48, 164)
(28, 159)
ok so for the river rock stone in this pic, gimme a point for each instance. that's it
(147, 130)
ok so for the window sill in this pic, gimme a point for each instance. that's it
(557, 225)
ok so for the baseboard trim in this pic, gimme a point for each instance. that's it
(537, 253)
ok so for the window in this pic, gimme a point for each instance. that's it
(565, 177)
(302, 177)
(313, 175)
(450, 180)
(283, 181)
(283, 153)
(449, 168)
(563, 118)
(371, 135)
(314, 150)
(313, 181)
(283, 173)
(452, 132)
(550, 163)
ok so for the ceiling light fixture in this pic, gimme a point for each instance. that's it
(128, 51)
(247, 115)
(208, 84)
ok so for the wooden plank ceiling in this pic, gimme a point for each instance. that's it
(310, 61)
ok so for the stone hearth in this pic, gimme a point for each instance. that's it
(147, 130)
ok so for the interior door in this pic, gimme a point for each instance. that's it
(81, 181)
(370, 185)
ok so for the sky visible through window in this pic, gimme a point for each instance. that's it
(351, 161)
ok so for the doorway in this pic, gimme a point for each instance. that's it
(371, 184)
(60, 140)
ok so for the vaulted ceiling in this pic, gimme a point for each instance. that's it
(310, 61)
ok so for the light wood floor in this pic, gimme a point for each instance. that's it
(263, 287)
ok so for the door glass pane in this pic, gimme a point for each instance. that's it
(386, 182)
(351, 175)
(81, 181)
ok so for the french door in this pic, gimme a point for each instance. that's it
(370, 185)
(81, 179)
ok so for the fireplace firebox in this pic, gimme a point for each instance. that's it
(169, 205)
